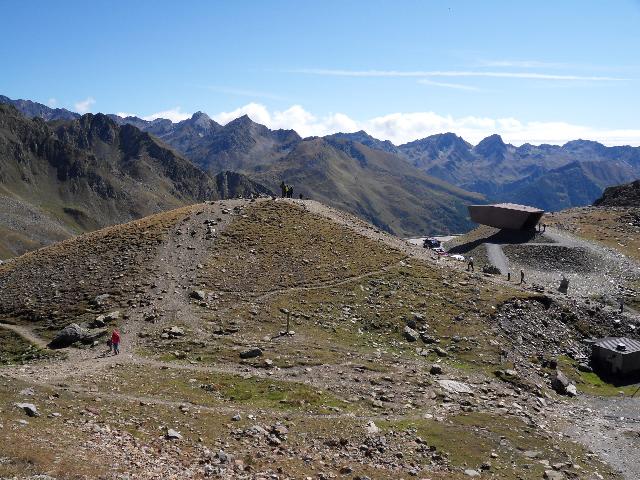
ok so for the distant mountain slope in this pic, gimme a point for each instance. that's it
(240, 144)
(339, 169)
(627, 195)
(34, 109)
(365, 139)
(547, 176)
(79, 175)
(374, 185)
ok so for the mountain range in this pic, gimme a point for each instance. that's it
(551, 177)
(374, 184)
(421, 187)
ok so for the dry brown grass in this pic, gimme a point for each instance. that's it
(279, 245)
(55, 283)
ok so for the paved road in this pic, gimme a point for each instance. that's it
(497, 258)
(610, 269)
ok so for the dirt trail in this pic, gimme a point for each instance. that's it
(26, 334)
(262, 295)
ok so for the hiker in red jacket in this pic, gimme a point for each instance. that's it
(115, 342)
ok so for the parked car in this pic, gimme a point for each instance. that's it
(431, 243)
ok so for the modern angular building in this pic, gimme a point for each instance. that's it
(506, 215)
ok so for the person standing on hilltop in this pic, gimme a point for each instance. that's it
(470, 265)
(115, 341)
(522, 277)
(283, 187)
(290, 195)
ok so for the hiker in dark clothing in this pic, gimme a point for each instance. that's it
(300, 196)
(470, 265)
(522, 277)
(290, 191)
(283, 187)
(621, 306)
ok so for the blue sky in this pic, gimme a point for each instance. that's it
(539, 71)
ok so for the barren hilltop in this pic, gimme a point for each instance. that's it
(397, 363)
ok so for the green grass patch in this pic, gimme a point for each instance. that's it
(212, 389)
(15, 350)
(468, 440)
(590, 382)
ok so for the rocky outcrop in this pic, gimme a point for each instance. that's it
(74, 333)
(627, 195)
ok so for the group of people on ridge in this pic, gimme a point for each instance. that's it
(287, 190)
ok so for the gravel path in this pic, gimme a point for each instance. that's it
(593, 271)
(611, 428)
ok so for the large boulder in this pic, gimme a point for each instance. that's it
(410, 334)
(198, 294)
(173, 332)
(101, 300)
(562, 385)
(29, 408)
(73, 333)
(251, 353)
(102, 320)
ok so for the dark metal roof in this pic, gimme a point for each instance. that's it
(611, 343)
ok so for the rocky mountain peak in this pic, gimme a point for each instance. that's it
(201, 122)
(242, 121)
(491, 146)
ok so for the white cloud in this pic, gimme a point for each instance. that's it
(452, 73)
(52, 102)
(255, 111)
(173, 114)
(295, 117)
(402, 127)
(456, 86)
(84, 106)
(521, 64)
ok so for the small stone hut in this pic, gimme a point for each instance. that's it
(616, 356)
